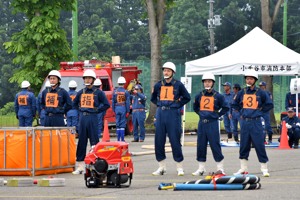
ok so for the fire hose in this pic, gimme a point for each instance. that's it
(240, 182)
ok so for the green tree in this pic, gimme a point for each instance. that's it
(187, 35)
(42, 44)
(156, 13)
(8, 24)
(95, 43)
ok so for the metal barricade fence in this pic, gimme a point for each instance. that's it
(37, 150)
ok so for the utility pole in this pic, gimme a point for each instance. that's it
(212, 22)
(75, 32)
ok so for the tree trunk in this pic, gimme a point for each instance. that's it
(267, 26)
(156, 15)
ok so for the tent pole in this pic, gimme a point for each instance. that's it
(220, 80)
(183, 119)
(297, 100)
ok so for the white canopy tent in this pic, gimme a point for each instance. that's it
(255, 50)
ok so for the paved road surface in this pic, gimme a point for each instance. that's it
(284, 183)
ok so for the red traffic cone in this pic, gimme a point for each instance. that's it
(284, 144)
(105, 136)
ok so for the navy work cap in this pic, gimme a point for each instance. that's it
(227, 84)
(262, 83)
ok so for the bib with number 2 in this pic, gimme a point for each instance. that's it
(207, 103)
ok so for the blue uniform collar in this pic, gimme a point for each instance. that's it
(171, 83)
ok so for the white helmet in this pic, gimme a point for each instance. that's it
(169, 65)
(54, 73)
(89, 73)
(72, 84)
(25, 84)
(97, 82)
(251, 73)
(208, 76)
(47, 84)
(121, 80)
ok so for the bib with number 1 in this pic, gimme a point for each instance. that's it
(250, 101)
(166, 93)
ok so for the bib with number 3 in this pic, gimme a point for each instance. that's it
(207, 103)
(250, 101)
(166, 93)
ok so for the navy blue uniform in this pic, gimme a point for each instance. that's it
(266, 117)
(73, 115)
(56, 103)
(89, 102)
(252, 103)
(169, 98)
(41, 112)
(138, 115)
(293, 131)
(290, 101)
(227, 121)
(209, 106)
(25, 107)
(121, 106)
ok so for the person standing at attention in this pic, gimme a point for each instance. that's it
(210, 106)
(169, 95)
(252, 102)
(55, 101)
(25, 105)
(89, 101)
(121, 107)
(228, 94)
(138, 113)
(73, 115)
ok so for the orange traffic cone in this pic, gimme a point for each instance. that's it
(284, 144)
(105, 136)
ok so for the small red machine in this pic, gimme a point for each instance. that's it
(108, 164)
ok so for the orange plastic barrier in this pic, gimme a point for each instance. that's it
(36, 151)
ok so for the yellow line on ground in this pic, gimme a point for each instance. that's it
(60, 197)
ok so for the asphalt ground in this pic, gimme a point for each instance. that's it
(283, 183)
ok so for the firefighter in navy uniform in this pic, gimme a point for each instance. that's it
(25, 105)
(228, 94)
(169, 95)
(100, 115)
(138, 113)
(235, 115)
(293, 128)
(41, 112)
(210, 106)
(72, 115)
(56, 101)
(89, 101)
(252, 102)
(121, 107)
(266, 115)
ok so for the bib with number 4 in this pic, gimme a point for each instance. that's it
(207, 103)
(166, 93)
(250, 101)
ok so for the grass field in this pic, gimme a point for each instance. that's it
(191, 121)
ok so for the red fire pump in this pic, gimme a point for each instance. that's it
(108, 164)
